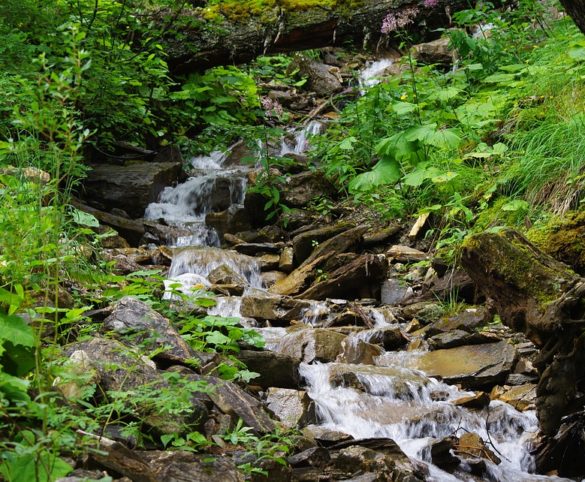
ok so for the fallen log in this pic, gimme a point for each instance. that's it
(242, 37)
(545, 299)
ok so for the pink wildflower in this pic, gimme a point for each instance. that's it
(400, 19)
(431, 3)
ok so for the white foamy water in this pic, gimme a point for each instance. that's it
(300, 141)
(370, 76)
(414, 410)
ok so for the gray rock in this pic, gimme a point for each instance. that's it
(224, 275)
(270, 278)
(395, 292)
(131, 187)
(138, 323)
(286, 261)
(323, 79)
(305, 242)
(275, 369)
(312, 345)
(294, 408)
(301, 189)
(356, 351)
(263, 306)
(435, 52)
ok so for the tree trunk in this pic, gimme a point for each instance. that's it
(282, 31)
(576, 10)
(542, 297)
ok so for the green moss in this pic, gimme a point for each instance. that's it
(563, 239)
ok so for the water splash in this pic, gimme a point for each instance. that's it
(370, 76)
(301, 138)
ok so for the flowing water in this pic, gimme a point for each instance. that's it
(391, 399)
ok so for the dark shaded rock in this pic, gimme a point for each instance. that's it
(300, 279)
(365, 272)
(441, 454)
(254, 249)
(301, 189)
(275, 369)
(138, 323)
(313, 457)
(325, 436)
(323, 79)
(131, 187)
(474, 367)
(455, 338)
(312, 345)
(381, 236)
(294, 408)
(158, 233)
(304, 243)
(341, 243)
(390, 338)
(426, 311)
(268, 262)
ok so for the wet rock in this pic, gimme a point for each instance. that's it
(293, 408)
(270, 278)
(522, 397)
(441, 454)
(224, 275)
(301, 189)
(453, 285)
(474, 367)
(325, 436)
(304, 243)
(286, 261)
(263, 306)
(268, 262)
(312, 345)
(254, 249)
(434, 52)
(231, 220)
(376, 380)
(275, 369)
(390, 338)
(395, 292)
(139, 324)
(365, 272)
(478, 401)
(313, 457)
(472, 450)
(387, 461)
(455, 338)
(405, 254)
(131, 187)
(358, 352)
(323, 79)
(158, 233)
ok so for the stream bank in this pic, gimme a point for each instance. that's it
(368, 352)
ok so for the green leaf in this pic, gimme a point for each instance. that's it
(516, 205)
(385, 172)
(403, 108)
(444, 177)
(444, 139)
(217, 338)
(500, 78)
(84, 219)
(27, 466)
(347, 143)
(577, 54)
(15, 330)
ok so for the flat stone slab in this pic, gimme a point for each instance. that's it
(473, 366)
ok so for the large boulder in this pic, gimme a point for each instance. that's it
(323, 79)
(301, 189)
(275, 369)
(294, 408)
(263, 306)
(139, 324)
(310, 345)
(474, 366)
(130, 187)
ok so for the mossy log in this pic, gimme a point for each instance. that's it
(545, 299)
(293, 26)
